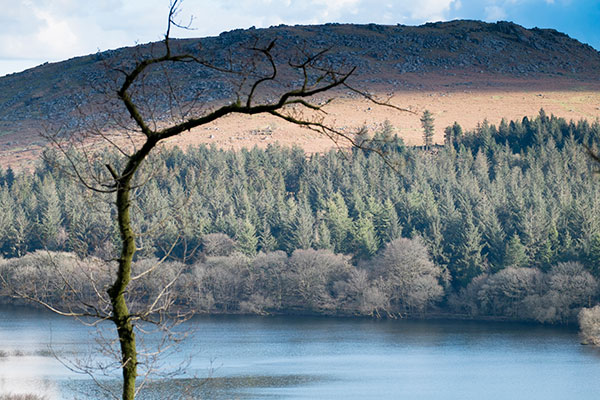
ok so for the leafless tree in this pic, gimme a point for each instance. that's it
(145, 113)
(217, 244)
(504, 293)
(407, 275)
(311, 278)
(589, 325)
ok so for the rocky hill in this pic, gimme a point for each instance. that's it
(454, 54)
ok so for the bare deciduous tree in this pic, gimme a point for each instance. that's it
(142, 126)
(589, 325)
(408, 276)
(312, 277)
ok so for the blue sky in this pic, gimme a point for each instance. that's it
(35, 31)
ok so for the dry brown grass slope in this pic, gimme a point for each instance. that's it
(463, 71)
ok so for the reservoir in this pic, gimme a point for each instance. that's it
(274, 357)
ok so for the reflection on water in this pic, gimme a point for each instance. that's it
(237, 387)
(306, 358)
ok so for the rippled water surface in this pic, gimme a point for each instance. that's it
(317, 358)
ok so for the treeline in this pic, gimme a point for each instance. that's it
(523, 135)
(400, 281)
(518, 197)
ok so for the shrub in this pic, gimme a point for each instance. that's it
(407, 276)
(312, 279)
(504, 293)
(589, 325)
(217, 244)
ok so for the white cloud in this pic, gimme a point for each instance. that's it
(53, 30)
(494, 13)
(55, 36)
(429, 10)
(263, 13)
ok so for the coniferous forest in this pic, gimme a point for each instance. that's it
(502, 221)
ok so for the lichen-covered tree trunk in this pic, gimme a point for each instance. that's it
(121, 316)
(120, 312)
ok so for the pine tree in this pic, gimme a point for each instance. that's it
(452, 135)
(50, 215)
(303, 226)
(323, 237)
(266, 240)
(339, 223)
(469, 261)
(19, 233)
(9, 177)
(594, 255)
(435, 241)
(7, 214)
(246, 238)
(493, 235)
(362, 138)
(386, 222)
(366, 242)
(515, 255)
(428, 128)
(288, 212)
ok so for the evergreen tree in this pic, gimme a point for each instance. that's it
(303, 227)
(468, 261)
(365, 239)
(386, 222)
(362, 138)
(323, 237)
(7, 214)
(9, 177)
(493, 234)
(338, 222)
(452, 134)
(19, 233)
(594, 255)
(515, 255)
(288, 213)
(435, 242)
(428, 129)
(50, 215)
(246, 239)
(549, 251)
(266, 241)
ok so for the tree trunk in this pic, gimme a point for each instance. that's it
(121, 316)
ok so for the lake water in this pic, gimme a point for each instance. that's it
(317, 358)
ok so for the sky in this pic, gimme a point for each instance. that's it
(36, 31)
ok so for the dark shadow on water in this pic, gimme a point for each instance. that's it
(237, 387)
(217, 388)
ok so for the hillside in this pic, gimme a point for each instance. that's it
(461, 70)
